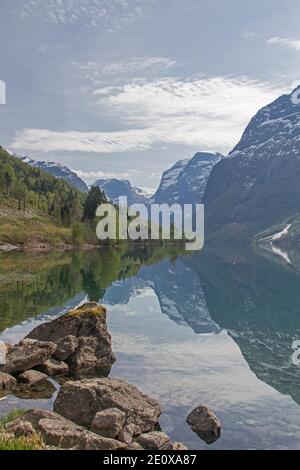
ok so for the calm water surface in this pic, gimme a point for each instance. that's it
(214, 328)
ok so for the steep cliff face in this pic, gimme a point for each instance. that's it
(257, 186)
(185, 182)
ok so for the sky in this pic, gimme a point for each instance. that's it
(126, 88)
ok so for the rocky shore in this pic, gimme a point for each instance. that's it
(91, 410)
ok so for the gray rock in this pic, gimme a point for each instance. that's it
(7, 382)
(126, 435)
(80, 401)
(90, 360)
(31, 377)
(108, 423)
(177, 446)
(205, 424)
(154, 440)
(134, 446)
(27, 355)
(8, 247)
(20, 428)
(54, 368)
(65, 348)
(93, 357)
(60, 433)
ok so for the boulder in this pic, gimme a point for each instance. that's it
(126, 435)
(20, 428)
(58, 432)
(92, 356)
(91, 359)
(177, 446)
(205, 424)
(65, 347)
(109, 423)
(81, 401)
(27, 355)
(31, 377)
(54, 368)
(153, 440)
(7, 382)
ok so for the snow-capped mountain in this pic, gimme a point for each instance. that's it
(257, 186)
(58, 170)
(114, 188)
(185, 182)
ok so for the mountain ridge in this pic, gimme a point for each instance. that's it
(114, 188)
(185, 182)
(58, 170)
(256, 188)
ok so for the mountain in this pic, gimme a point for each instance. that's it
(185, 182)
(58, 170)
(178, 289)
(256, 188)
(36, 208)
(114, 188)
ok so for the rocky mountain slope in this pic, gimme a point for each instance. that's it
(185, 182)
(58, 170)
(114, 188)
(257, 187)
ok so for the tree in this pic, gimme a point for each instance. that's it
(94, 199)
(78, 234)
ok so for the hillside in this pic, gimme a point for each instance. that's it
(59, 171)
(35, 207)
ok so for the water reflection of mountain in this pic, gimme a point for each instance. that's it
(178, 290)
(257, 299)
(254, 295)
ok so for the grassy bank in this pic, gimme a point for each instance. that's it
(22, 228)
(7, 442)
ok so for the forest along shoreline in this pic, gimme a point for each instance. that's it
(91, 410)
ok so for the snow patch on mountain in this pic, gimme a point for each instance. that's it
(114, 188)
(185, 182)
(56, 169)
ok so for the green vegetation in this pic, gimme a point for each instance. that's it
(94, 199)
(12, 416)
(30, 286)
(37, 208)
(33, 442)
(33, 189)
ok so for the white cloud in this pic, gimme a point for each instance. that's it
(72, 141)
(92, 176)
(138, 64)
(291, 43)
(95, 72)
(115, 13)
(207, 113)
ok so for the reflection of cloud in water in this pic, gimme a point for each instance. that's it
(184, 370)
(178, 289)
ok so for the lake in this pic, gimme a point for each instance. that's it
(212, 328)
